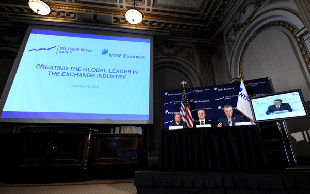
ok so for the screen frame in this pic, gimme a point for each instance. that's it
(279, 93)
(71, 29)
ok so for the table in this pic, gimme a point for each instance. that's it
(212, 148)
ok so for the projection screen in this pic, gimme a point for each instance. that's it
(74, 75)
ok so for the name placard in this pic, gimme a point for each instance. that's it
(202, 126)
(244, 123)
(175, 127)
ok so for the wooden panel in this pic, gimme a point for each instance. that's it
(72, 152)
(115, 149)
(53, 149)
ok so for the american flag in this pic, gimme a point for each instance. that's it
(186, 111)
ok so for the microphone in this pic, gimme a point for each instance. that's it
(220, 122)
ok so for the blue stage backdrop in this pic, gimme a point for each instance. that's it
(212, 99)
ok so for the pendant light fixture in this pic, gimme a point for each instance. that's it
(39, 6)
(132, 15)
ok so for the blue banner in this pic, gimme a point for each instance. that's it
(212, 99)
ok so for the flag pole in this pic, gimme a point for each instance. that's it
(185, 109)
(183, 83)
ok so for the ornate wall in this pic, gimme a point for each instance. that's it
(269, 39)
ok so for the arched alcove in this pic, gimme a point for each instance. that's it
(272, 53)
(168, 75)
(271, 47)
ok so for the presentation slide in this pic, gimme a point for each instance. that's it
(290, 105)
(81, 76)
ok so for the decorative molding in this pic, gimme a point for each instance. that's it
(8, 10)
(194, 19)
(304, 9)
(4, 15)
(231, 36)
(233, 33)
(170, 48)
(218, 16)
(242, 10)
(178, 70)
(204, 52)
(290, 28)
(63, 15)
(237, 37)
(188, 5)
(176, 29)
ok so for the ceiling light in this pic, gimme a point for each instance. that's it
(39, 7)
(132, 15)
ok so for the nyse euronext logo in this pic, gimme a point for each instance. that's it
(121, 55)
(63, 49)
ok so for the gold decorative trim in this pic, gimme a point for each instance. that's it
(155, 6)
(177, 29)
(189, 24)
(290, 28)
(92, 9)
(120, 13)
(63, 15)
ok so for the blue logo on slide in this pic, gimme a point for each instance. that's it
(64, 49)
(105, 51)
(122, 55)
(40, 49)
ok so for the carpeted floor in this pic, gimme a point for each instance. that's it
(116, 186)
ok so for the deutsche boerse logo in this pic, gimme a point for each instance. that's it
(62, 49)
(42, 49)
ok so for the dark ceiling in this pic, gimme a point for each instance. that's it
(201, 19)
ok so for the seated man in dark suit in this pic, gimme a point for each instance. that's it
(202, 119)
(229, 119)
(278, 106)
(178, 121)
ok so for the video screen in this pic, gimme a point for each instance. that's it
(74, 75)
(279, 106)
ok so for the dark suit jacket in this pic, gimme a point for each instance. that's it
(197, 122)
(182, 123)
(283, 106)
(234, 118)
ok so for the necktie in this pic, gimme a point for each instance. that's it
(230, 121)
(202, 123)
(278, 107)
